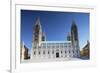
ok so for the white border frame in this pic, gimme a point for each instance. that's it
(15, 37)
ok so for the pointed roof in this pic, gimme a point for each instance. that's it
(37, 21)
(73, 24)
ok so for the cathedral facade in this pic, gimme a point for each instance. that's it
(43, 49)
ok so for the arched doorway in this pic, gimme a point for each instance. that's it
(57, 55)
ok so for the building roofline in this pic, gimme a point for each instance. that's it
(55, 41)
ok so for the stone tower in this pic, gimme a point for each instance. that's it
(37, 34)
(75, 40)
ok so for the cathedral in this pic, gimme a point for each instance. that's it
(54, 50)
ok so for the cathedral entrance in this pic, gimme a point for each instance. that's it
(57, 55)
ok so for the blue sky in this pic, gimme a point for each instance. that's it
(55, 25)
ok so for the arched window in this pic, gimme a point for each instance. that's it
(48, 52)
(53, 52)
(61, 51)
(73, 51)
(69, 51)
(34, 52)
(39, 52)
(65, 51)
(43, 52)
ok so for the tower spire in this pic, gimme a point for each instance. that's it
(74, 38)
(37, 33)
(37, 21)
